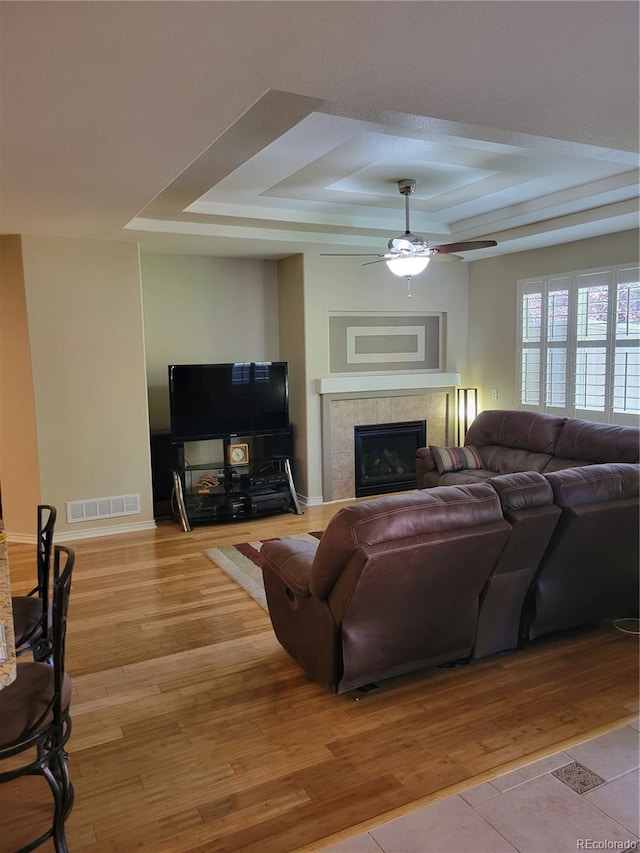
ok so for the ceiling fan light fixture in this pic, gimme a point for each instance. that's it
(408, 254)
(407, 243)
(406, 267)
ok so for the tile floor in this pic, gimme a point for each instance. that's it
(585, 798)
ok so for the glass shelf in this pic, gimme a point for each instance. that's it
(219, 492)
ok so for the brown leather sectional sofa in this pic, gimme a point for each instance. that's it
(457, 572)
(511, 441)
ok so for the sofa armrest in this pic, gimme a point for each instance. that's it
(290, 560)
(423, 455)
(424, 465)
(302, 622)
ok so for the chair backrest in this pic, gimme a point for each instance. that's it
(46, 523)
(63, 562)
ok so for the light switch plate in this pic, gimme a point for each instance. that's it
(4, 650)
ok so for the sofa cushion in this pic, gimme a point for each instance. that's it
(457, 478)
(448, 459)
(595, 442)
(531, 431)
(509, 460)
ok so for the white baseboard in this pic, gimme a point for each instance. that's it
(313, 501)
(66, 536)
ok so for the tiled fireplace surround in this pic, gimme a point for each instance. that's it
(343, 410)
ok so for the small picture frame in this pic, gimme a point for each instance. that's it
(238, 454)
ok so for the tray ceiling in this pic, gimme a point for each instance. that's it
(260, 129)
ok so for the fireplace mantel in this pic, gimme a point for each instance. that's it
(386, 382)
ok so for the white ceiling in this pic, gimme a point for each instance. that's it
(259, 129)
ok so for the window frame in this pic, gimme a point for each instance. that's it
(542, 384)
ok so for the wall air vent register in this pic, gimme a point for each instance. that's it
(93, 508)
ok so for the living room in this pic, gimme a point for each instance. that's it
(122, 291)
(106, 279)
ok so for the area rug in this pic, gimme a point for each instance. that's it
(242, 563)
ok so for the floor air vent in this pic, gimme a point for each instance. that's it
(102, 508)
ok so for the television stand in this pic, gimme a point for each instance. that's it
(210, 494)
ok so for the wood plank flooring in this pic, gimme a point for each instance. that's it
(195, 733)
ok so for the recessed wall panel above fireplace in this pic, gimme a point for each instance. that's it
(383, 343)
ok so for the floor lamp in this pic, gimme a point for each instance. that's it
(467, 410)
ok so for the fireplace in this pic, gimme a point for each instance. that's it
(385, 456)
(346, 403)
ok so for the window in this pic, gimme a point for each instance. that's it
(579, 344)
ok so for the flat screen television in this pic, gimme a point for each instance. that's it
(220, 400)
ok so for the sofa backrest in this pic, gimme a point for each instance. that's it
(510, 441)
(589, 571)
(397, 518)
(583, 441)
(527, 504)
(595, 484)
(402, 577)
(531, 431)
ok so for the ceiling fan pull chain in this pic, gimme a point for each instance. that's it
(408, 287)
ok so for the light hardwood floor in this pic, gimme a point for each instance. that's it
(194, 731)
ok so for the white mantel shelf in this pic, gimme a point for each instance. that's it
(397, 382)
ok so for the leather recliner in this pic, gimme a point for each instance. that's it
(392, 586)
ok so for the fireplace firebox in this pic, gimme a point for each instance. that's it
(385, 456)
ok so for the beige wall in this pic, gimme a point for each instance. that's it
(343, 284)
(200, 310)
(87, 349)
(262, 310)
(292, 349)
(492, 305)
(19, 463)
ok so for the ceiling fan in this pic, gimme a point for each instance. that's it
(408, 254)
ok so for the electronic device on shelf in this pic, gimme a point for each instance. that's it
(248, 481)
(268, 501)
(232, 401)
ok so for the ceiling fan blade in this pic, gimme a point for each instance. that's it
(351, 255)
(445, 256)
(464, 247)
(381, 258)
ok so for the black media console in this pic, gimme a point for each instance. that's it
(206, 494)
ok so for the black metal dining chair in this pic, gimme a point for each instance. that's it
(32, 612)
(35, 723)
